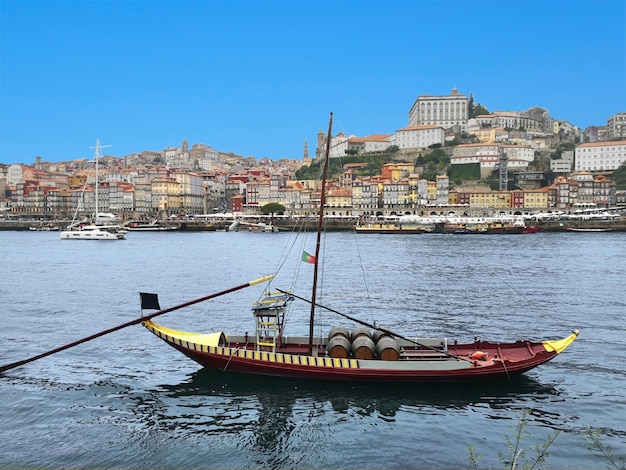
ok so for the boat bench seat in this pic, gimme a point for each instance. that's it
(422, 354)
(438, 343)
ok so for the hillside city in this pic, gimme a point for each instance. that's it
(452, 154)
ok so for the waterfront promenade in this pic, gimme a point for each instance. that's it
(343, 224)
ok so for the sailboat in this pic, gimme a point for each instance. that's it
(97, 229)
(367, 353)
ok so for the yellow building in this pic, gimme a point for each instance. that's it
(490, 199)
(339, 198)
(396, 171)
(536, 198)
(166, 195)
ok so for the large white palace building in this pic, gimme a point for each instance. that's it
(444, 111)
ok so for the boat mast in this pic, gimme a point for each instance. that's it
(95, 219)
(320, 225)
(97, 157)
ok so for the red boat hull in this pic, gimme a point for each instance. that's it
(455, 364)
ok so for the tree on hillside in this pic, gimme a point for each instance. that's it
(480, 110)
(619, 176)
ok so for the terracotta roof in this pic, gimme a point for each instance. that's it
(608, 143)
(418, 128)
(370, 138)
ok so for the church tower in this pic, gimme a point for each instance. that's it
(306, 161)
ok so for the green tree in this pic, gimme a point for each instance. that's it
(619, 176)
(480, 110)
(272, 208)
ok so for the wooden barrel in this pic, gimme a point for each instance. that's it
(388, 349)
(339, 347)
(339, 330)
(361, 331)
(379, 334)
(363, 347)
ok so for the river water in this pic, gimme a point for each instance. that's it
(129, 400)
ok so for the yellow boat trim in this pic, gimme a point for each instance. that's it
(560, 345)
(181, 337)
(262, 279)
(214, 343)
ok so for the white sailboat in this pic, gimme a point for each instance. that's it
(94, 230)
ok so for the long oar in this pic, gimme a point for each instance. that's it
(132, 322)
(385, 330)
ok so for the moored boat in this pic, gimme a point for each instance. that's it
(153, 226)
(94, 232)
(366, 353)
(101, 226)
(389, 228)
(589, 229)
(43, 228)
(391, 358)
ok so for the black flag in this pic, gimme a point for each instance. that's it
(149, 301)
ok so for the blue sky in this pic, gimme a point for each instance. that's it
(261, 77)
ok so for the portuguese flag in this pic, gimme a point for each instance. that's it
(307, 258)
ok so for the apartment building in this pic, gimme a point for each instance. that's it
(616, 126)
(600, 156)
(416, 137)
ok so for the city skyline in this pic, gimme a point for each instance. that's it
(260, 78)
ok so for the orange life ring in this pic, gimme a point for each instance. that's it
(479, 356)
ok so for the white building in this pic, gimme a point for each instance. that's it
(419, 136)
(15, 174)
(444, 111)
(563, 164)
(488, 156)
(616, 126)
(600, 156)
(519, 152)
(338, 145)
(374, 143)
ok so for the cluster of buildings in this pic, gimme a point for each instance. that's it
(200, 180)
(520, 135)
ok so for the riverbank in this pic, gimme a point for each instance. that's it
(337, 225)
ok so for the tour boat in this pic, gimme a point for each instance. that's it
(390, 228)
(365, 353)
(152, 226)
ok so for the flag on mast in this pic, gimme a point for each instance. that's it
(149, 301)
(307, 258)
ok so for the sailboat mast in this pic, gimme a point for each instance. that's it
(95, 220)
(320, 225)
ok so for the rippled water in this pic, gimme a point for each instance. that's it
(128, 400)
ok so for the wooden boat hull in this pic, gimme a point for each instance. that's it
(501, 361)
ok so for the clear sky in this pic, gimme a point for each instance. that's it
(261, 77)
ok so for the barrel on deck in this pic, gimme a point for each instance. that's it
(363, 347)
(339, 330)
(339, 347)
(388, 349)
(379, 334)
(361, 331)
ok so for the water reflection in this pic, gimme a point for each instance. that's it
(273, 399)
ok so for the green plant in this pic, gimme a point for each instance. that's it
(516, 458)
(595, 445)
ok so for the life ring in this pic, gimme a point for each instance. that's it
(479, 356)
